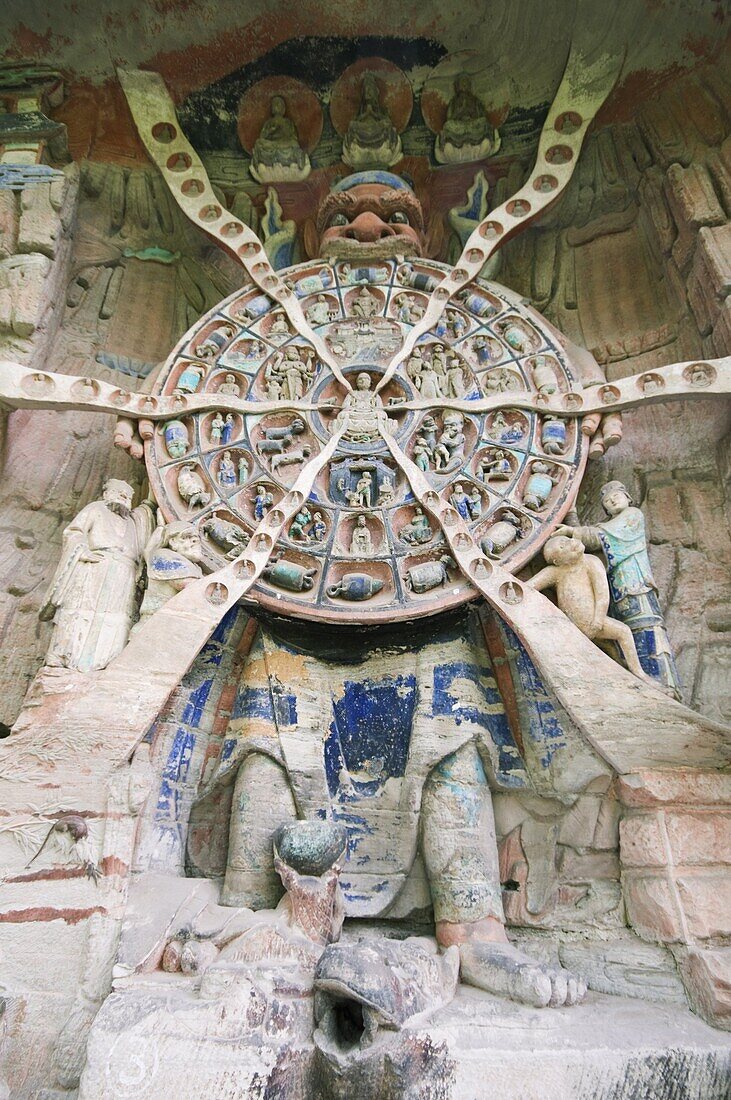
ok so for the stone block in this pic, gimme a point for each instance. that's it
(699, 838)
(684, 786)
(707, 977)
(650, 840)
(642, 843)
(706, 899)
(652, 907)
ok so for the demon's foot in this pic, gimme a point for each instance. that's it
(502, 969)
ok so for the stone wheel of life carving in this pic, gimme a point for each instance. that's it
(510, 473)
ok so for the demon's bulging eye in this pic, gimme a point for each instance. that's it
(399, 218)
(337, 220)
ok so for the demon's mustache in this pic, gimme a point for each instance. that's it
(345, 248)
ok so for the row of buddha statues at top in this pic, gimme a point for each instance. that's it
(372, 139)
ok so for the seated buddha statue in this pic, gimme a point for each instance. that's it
(371, 140)
(277, 156)
(466, 134)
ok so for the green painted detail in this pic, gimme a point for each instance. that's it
(152, 254)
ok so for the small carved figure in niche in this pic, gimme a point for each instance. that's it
(486, 349)
(385, 491)
(495, 466)
(501, 534)
(297, 529)
(289, 374)
(217, 426)
(428, 381)
(248, 350)
(262, 502)
(172, 557)
(582, 593)
(422, 454)
(623, 540)
(355, 586)
(439, 360)
(449, 451)
(455, 383)
(651, 383)
(429, 574)
(92, 596)
(192, 487)
(475, 504)
(429, 430)
(409, 310)
(361, 543)
(190, 379)
(553, 434)
(507, 433)
(418, 530)
(700, 375)
(371, 140)
(319, 528)
(365, 305)
(228, 428)
(290, 458)
(243, 470)
(229, 386)
(465, 135)
(215, 342)
(456, 324)
(539, 485)
(227, 472)
(543, 376)
(363, 410)
(277, 156)
(500, 380)
(177, 439)
(280, 325)
(226, 535)
(319, 312)
(415, 366)
(277, 440)
(461, 501)
(360, 497)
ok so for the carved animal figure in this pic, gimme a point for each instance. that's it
(291, 458)
(582, 593)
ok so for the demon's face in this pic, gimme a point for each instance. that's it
(370, 221)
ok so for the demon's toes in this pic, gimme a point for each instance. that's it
(502, 969)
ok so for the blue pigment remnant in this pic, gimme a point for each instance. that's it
(180, 756)
(492, 719)
(256, 702)
(544, 725)
(370, 733)
(193, 710)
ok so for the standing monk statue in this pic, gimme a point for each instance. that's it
(92, 597)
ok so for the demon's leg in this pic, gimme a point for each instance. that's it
(460, 852)
(262, 801)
